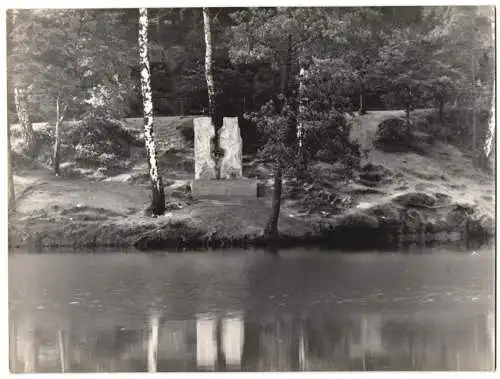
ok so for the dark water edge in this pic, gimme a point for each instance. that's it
(362, 242)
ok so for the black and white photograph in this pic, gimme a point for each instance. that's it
(250, 189)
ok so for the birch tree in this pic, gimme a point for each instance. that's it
(21, 84)
(300, 116)
(12, 195)
(209, 75)
(24, 117)
(158, 198)
(60, 114)
(212, 105)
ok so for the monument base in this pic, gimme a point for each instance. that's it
(221, 188)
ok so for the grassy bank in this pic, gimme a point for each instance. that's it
(431, 195)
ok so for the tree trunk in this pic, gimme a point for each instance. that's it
(441, 110)
(300, 120)
(271, 230)
(24, 116)
(286, 68)
(23, 111)
(12, 195)
(59, 119)
(362, 106)
(56, 158)
(408, 114)
(212, 105)
(408, 111)
(489, 143)
(473, 74)
(209, 75)
(158, 198)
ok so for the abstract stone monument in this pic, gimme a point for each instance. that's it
(231, 182)
(204, 164)
(230, 141)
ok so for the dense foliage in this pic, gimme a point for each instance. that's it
(392, 55)
(79, 57)
(351, 59)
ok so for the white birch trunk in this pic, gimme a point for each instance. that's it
(24, 116)
(208, 62)
(489, 147)
(473, 74)
(158, 200)
(59, 119)
(302, 108)
(12, 194)
(22, 109)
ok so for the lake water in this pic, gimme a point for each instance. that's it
(302, 309)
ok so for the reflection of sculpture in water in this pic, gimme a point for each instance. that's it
(219, 342)
(232, 341)
(205, 342)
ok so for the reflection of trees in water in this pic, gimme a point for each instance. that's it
(278, 344)
(261, 343)
(429, 346)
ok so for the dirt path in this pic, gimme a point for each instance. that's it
(38, 190)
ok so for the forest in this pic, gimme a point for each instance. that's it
(300, 80)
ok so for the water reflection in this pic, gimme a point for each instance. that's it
(250, 311)
(219, 342)
(214, 342)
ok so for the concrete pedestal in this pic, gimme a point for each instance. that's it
(234, 188)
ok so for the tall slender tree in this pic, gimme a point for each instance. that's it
(12, 195)
(60, 114)
(21, 85)
(300, 116)
(24, 117)
(209, 74)
(158, 198)
(213, 110)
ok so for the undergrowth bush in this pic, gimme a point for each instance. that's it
(393, 132)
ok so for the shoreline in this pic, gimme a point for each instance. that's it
(359, 230)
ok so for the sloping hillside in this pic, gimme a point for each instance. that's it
(443, 168)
